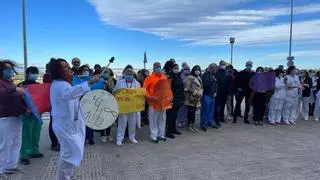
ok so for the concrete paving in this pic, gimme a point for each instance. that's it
(234, 152)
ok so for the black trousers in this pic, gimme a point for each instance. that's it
(106, 132)
(52, 135)
(89, 133)
(259, 106)
(191, 114)
(240, 95)
(144, 114)
(221, 101)
(171, 118)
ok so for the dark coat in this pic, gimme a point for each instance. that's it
(209, 82)
(307, 91)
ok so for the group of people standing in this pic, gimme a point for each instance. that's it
(212, 92)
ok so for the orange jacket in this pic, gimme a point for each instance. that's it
(151, 81)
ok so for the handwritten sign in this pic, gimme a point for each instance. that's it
(100, 109)
(163, 95)
(263, 82)
(131, 100)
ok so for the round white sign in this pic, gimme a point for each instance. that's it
(100, 109)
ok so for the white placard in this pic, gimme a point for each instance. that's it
(100, 109)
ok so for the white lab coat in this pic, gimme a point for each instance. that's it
(65, 109)
(124, 119)
(291, 107)
(277, 102)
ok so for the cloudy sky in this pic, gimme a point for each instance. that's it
(194, 31)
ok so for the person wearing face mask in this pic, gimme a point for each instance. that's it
(208, 100)
(243, 91)
(67, 117)
(31, 128)
(293, 85)
(125, 119)
(306, 94)
(177, 88)
(11, 107)
(232, 73)
(84, 76)
(313, 76)
(193, 93)
(142, 75)
(109, 84)
(223, 90)
(157, 119)
(277, 99)
(182, 112)
(258, 101)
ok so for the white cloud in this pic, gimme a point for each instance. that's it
(207, 22)
(309, 53)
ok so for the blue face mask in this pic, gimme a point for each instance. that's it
(128, 77)
(105, 76)
(33, 77)
(158, 70)
(7, 74)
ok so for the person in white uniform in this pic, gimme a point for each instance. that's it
(277, 99)
(67, 117)
(293, 86)
(125, 119)
(11, 107)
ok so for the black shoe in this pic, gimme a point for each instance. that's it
(154, 141)
(36, 156)
(55, 148)
(246, 122)
(162, 139)
(25, 161)
(204, 129)
(234, 121)
(240, 116)
(224, 121)
(170, 135)
(176, 132)
(215, 127)
(91, 142)
(218, 125)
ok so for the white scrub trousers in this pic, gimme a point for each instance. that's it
(290, 110)
(10, 142)
(305, 107)
(123, 120)
(65, 170)
(157, 123)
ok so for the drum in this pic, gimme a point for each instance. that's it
(100, 109)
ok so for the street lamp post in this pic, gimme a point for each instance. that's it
(145, 60)
(232, 40)
(290, 57)
(25, 54)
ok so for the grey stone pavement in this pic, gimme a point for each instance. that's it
(234, 152)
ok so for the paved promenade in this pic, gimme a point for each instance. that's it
(234, 152)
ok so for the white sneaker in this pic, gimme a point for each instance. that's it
(119, 143)
(104, 139)
(306, 118)
(134, 141)
(316, 119)
(292, 122)
(109, 138)
(3, 176)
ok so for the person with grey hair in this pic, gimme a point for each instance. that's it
(208, 100)
(76, 63)
(243, 91)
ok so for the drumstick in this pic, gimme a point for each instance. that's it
(110, 61)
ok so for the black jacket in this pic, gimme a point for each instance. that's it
(222, 82)
(243, 79)
(177, 89)
(307, 91)
(209, 82)
(318, 84)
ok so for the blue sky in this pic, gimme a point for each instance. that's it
(193, 31)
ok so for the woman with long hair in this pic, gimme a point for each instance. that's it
(193, 93)
(67, 117)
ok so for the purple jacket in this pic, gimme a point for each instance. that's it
(11, 103)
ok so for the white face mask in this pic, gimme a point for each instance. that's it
(176, 71)
(86, 73)
(223, 66)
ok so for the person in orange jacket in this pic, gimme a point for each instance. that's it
(157, 118)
